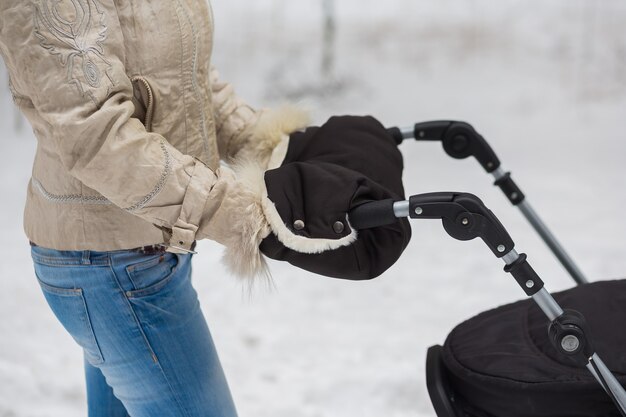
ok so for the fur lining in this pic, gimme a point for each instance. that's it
(242, 256)
(269, 132)
(299, 243)
(279, 153)
(251, 175)
(267, 144)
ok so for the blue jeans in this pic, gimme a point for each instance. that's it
(147, 348)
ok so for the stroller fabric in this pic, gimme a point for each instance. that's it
(501, 363)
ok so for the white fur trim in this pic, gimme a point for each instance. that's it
(269, 132)
(251, 175)
(273, 124)
(299, 243)
(279, 153)
(247, 224)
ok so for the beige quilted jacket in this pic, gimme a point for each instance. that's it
(131, 122)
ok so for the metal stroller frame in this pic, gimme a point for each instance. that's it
(465, 217)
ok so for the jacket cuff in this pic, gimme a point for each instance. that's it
(233, 217)
(185, 229)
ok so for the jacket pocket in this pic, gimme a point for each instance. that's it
(70, 308)
(143, 94)
(151, 275)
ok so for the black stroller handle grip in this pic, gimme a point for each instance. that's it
(464, 217)
(373, 214)
(459, 139)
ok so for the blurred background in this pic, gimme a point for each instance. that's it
(543, 82)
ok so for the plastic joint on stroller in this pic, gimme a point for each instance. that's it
(465, 217)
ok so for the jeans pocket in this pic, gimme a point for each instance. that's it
(151, 275)
(70, 308)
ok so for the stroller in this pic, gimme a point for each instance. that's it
(511, 361)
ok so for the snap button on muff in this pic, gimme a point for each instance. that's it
(298, 225)
(338, 227)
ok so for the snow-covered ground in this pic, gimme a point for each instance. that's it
(544, 82)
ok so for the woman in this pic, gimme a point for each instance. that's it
(131, 122)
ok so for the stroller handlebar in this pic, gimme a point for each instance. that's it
(464, 217)
(459, 139)
(373, 214)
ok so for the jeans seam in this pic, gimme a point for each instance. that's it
(77, 292)
(151, 350)
(66, 261)
(134, 315)
(64, 292)
(100, 358)
(152, 289)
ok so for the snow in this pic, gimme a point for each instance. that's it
(545, 83)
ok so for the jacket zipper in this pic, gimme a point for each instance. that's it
(149, 104)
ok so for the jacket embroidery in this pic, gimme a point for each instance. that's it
(70, 198)
(74, 30)
(194, 74)
(160, 184)
(100, 200)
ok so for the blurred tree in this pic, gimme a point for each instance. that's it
(329, 37)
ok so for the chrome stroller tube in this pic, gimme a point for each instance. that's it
(548, 304)
(613, 387)
(547, 236)
(401, 209)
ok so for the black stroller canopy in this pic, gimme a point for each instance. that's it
(501, 363)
